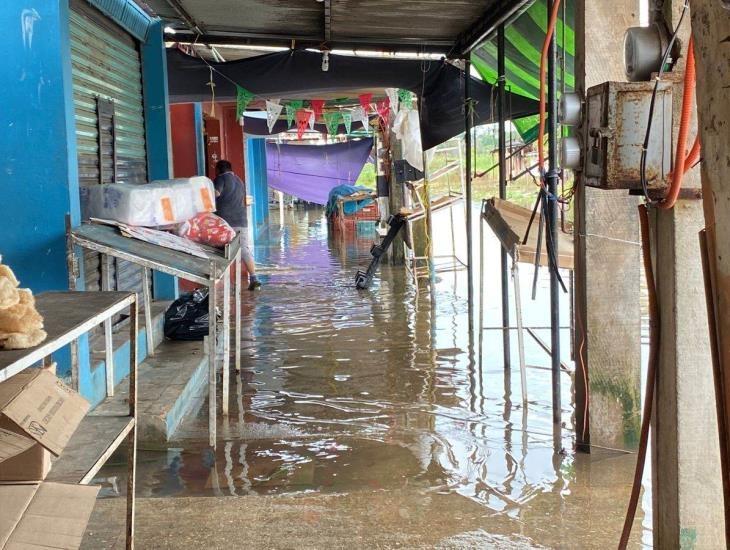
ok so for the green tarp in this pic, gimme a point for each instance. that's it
(523, 44)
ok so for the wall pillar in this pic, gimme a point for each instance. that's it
(607, 258)
(38, 162)
(157, 130)
(257, 183)
(687, 482)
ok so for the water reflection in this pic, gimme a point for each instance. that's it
(345, 390)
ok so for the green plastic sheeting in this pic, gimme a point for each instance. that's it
(523, 44)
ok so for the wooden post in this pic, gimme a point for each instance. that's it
(607, 258)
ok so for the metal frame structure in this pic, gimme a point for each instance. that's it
(68, 316)
(210, 272)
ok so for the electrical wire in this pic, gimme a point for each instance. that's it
(652, 103)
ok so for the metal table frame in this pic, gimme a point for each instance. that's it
(210, 271)
(532, 251)
(125, 428)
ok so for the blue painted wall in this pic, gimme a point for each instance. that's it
(199, 138)
(38, 164)
(257, 184)
(157, 129)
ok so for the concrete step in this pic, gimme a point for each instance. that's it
(170, 385)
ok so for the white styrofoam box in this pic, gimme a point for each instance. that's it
(161, 202)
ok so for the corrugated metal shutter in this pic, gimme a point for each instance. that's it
(107, 80)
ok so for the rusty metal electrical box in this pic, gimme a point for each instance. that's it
(617, 114)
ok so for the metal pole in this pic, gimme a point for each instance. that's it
(467, 140)
(501, 100)
(552, 182)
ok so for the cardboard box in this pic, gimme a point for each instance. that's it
(36, 406)
(45, 515)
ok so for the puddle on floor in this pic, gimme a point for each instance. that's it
(345, 391)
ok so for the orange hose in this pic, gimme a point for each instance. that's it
(694, 154)
(687, 97)
(543, 62)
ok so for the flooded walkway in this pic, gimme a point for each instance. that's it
(367, 418)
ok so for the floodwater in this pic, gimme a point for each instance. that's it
(379, 400)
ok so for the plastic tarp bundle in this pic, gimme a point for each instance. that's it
(350, 207)
(161, 202)
(309, 172)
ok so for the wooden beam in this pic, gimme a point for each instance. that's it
(327, 20)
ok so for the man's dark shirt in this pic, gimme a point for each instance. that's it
(229, 201)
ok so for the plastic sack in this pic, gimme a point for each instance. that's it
(207, 229)
(187, 317)
(161, 202)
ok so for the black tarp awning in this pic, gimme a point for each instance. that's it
(298, 73)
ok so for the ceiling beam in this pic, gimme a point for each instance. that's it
(284, 41)
(486, 26)
(185, 16)
(327, 20)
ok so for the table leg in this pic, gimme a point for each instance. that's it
(226, 339)
(106, 285)
(520, 333)
(132, 437)
(148, 312)
(212, 350)
(237, 295)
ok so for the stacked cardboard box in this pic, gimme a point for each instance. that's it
(38, 416)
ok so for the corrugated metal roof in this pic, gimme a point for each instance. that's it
(347, 23)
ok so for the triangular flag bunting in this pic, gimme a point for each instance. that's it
(312, 119)
(360, 115)
(365, 101)
(406, 99)
(291, 111)
(393, 97)
(243, 98)
(383, 107)
(317, 106)
(273, 110)
(347, 120)
(332, 121)
(302, 122)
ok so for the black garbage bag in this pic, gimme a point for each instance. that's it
(187, 317)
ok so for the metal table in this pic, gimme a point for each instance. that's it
(510, 223)
(216, 268)
(67, 316)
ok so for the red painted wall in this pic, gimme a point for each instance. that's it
(184, 144)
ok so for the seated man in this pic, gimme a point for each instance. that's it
(230, 205)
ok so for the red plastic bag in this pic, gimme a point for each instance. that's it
(207, 228)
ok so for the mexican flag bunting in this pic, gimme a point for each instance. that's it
(383, 108)
(332, 121)
(243, 98)
(291, 110)
(312, 119)
(406, 99)
(365, 101)
(347, 120)
(317, 106)
(273, 110)
(393, 98)
(359, 114)
(302, 117)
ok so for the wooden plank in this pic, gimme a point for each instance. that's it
(510, 222)
(67, 315)
(94, 441)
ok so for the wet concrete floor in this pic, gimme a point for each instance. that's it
(368, 418)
